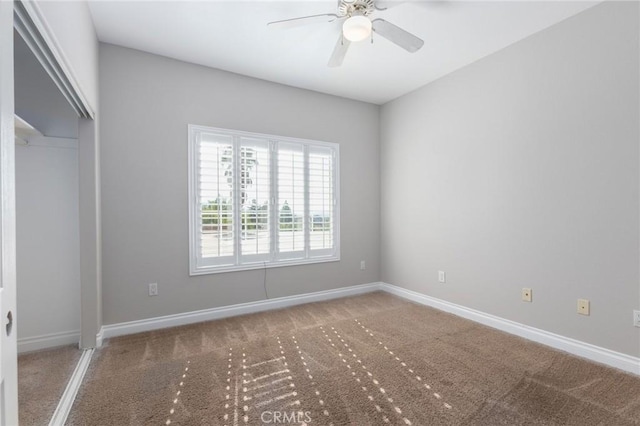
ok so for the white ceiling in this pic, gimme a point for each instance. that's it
(233, 36)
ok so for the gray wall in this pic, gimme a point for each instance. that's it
(146, 103)
(522, 170)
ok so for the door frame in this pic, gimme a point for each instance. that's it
(8, 339)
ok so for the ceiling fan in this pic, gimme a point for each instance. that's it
(357, 26)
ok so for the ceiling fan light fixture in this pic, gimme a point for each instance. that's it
(356, 28)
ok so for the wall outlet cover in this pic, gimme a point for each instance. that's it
(153, 289)
(363, 265)
(527, 295)
(442, 277)
(636, 318)
(583, 307)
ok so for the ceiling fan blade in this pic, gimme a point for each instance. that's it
(397, 35)
(339, 52)
(295, 22)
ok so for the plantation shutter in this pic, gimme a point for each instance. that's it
(216, 201)
(260, 201)
(291, 200)
(321, 201)
(254, 176)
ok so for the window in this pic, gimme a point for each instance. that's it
(260, 201)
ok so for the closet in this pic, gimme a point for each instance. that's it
(47, 237)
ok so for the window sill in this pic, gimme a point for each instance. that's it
(260, 265)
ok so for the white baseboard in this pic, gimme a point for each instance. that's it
(120, 329)
(575, 347)
(63, 409)
(29, 344)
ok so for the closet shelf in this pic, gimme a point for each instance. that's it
(24, 131)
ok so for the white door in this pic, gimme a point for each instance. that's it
(8, 343)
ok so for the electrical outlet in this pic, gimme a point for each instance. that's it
(636, 318)
(583, 306)
(363, 265)
(153, 289)
(527, 295)
(442, 277)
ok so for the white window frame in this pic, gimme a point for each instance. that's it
(199, 266)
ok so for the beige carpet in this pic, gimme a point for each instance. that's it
(42, 379)
(366, 360)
